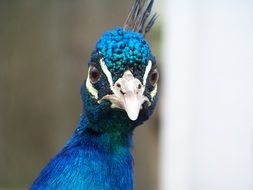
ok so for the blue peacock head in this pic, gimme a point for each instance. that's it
(122, 77)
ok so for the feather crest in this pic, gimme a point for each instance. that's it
(140, 18)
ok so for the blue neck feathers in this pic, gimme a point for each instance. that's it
(92, 160)
(109, 141)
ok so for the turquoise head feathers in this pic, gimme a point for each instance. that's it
(124, 49)
(122, 81)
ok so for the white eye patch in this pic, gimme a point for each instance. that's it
(147, 70)
(145, 76)
(153, 92)
(106, 72)
(90, 87)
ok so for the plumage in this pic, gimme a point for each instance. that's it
(137, 18)
(119, 94)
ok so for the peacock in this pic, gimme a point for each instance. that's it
(119, 93)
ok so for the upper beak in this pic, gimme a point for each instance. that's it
(128, 95)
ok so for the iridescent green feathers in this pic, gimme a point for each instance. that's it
(140, 18)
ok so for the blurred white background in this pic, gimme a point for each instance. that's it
(207, 126)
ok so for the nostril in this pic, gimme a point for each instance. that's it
(118, 85)
(123, 93)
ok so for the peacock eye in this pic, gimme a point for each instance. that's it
(94, 74)
(154, 76)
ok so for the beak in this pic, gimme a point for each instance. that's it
(127, 95)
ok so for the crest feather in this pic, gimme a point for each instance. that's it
(140, 18)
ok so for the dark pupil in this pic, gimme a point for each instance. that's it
(154, 77)
(94, 74)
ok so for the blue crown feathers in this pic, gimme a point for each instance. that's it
(126, 47)
(121, 49)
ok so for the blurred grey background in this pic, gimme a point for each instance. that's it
(44, 48)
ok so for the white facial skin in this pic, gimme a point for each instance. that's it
(127, 91)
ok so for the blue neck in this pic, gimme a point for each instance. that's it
(92, 160)
(114, 136)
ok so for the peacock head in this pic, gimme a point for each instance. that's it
(122, 81)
